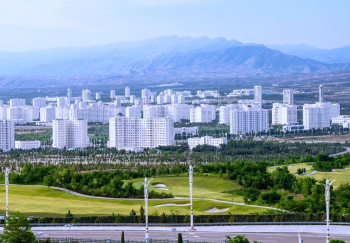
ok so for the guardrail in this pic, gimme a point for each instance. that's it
(184, 224)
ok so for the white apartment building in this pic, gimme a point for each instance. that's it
(208, 140)
(27, 145)
(341, 120)
(62, 101)
(98, 95)
(224, 113)
(86, 95)
(258, 95)
(7, 135)
(318, 116)
(17, 102)
(69, 134)
(247, 119)
(22, 113)
(47, 114)
(140, 133)
(283, 114)
(134, 111)
(288, 97)
(202, 114)
(127, 92)
(112, 94)
(39, 102)
(176, 112)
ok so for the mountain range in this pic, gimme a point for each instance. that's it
(179, 57)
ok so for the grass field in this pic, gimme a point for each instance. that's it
(293, 168)
(341, 176)
(41, 201)
(203, 187)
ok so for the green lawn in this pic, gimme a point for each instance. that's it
(293, 168)
(341, 176)
(203, 187)
(41, 201)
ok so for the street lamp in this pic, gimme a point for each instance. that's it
(190, 174)
(146, 184)
(328, 196)
(7, 171)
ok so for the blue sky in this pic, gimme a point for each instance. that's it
(42, 24)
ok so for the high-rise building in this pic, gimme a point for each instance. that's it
(98, 95)
(112, 94)
(39, 102)
(288, 97)
(140, 132)
(7, 135)
(319, 115)
(69, 93)
(127, 92)
(247, 119)
(258, 95)
(86, 95)
(283, 114)
(202, 114)
(321, 94)
(47, 114)
(17, 102)
(69, 134)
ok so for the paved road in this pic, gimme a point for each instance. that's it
(266, 233)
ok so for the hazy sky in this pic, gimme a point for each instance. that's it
(42, 24)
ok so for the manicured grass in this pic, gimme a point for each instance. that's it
(341, 176)
(41, 201)
(203, 187)
(293, 168)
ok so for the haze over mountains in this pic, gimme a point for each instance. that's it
(181, 57)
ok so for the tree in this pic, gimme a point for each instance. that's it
(17, 230)
(179, 238)
(186, 219)
(48, 181)
(142, 218)
(336, 241)
(122, 240)
(237, 239)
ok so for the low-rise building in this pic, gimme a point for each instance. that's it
(208, 140)
(27, 145)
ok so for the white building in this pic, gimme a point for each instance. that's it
(7, 135)
(258, 95)
(343, 120)
(176, 112)
(39, 102)
(98, 95)
(23, 113)
(47, 114)
(140, 133)
(202, 114)
(112, 94)
(224, 113)
(288, 97)
(318, 116)
(69, 93)
(69, 134)
(283, 114)
(186, 131)
(17, 102)
(293, 128)
(134, 111)
(208, 140)
(27, 145)
(86, 95)
(127, 92)
(247, 119)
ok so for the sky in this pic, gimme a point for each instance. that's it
(44, 24)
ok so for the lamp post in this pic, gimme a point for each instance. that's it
(7, 171)
(146, 184)
(190, 174)
(328, 197)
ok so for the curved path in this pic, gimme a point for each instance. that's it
(113, 198)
